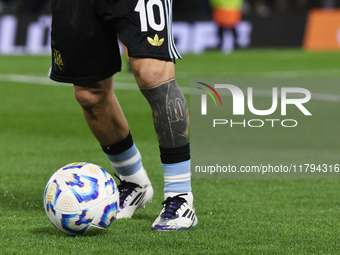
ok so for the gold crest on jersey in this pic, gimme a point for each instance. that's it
(155, 41)
(57, 59)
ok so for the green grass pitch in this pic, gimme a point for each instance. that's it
(42, 129)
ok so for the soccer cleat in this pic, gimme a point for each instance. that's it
(176, 214)
(131, 197)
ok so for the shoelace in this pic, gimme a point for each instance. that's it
(125, 189)
(172, 204)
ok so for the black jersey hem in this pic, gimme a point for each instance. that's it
(84, 80)
(151, 55)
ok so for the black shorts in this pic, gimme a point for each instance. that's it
(84, 36)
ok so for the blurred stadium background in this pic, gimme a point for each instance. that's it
(24, 25)
(262, 7)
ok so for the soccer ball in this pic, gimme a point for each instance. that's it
(81, 199)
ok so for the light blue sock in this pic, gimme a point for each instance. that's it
(128, 165)
(127, 162)
(177, 177)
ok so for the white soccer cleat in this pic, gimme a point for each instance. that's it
(131, 197)
(176, 214)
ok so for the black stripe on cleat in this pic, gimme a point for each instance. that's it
(186, 212)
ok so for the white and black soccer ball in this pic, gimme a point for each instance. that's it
(81, 199)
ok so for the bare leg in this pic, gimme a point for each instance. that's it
(149, 72)
(107, 122)
(157, 83)
(156, 80)
(102, 111)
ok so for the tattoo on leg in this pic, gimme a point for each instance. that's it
(170, 113)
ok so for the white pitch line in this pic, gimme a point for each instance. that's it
(29, 79)
(315, 96)
(267, 74)
(268, 93)
(295, 73)
(133, 86)
(47, 81)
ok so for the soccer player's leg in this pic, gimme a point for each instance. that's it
(107, 122)
(157, 83)
(85, 52)
(146, 31)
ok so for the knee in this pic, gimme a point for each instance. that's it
(85, 98)
(150, 72)
(90, 98)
